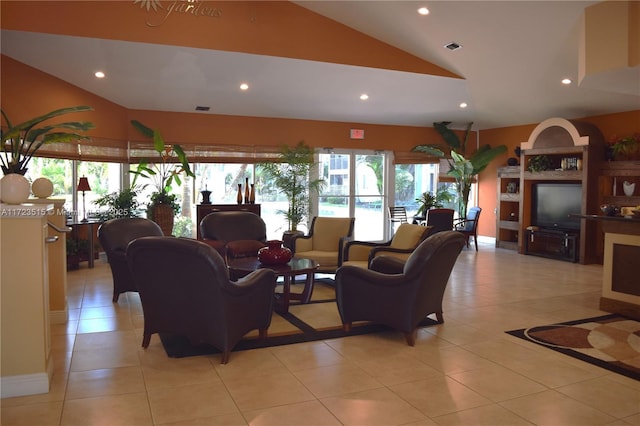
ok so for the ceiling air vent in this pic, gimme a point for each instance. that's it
(202, 108)
(453, 46)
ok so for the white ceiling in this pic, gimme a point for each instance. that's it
(514, 55)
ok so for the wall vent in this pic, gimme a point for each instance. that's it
(203, 108)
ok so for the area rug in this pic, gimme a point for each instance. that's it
(610, 341)
(317, 320)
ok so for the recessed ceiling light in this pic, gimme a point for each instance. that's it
(463, 105)
(453, 46)
(566, 81)
(99, 74)
(244, 86)
(423, 11)
(364, 97)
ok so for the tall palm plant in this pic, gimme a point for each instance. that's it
(463, 170)
(292, 176)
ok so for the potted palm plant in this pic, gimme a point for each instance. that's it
(20, 142)
(428, 200)
(463, 170)
(163, 174)
(292, 177)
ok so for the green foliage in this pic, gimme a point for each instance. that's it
(22, 141)
(183, 227)
(463, 170)
(430, 201)
(292, 177)
(120, 204)
(165, 172)
(539, 163)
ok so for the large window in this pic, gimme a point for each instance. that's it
(355, 188)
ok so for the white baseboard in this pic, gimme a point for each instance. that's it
(58, 317)
(26, 384)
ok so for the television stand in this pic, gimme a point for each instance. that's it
(552, 243)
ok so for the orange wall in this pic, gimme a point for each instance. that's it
(26, 92)
(621, 124)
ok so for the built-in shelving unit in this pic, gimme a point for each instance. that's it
(508, 207)
(574, 151)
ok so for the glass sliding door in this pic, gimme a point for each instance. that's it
(355, 188)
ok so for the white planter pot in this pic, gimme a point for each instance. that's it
(14, 189)
(628, 188)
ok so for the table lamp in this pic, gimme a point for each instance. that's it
(83, 185)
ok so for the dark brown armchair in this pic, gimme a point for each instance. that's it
(114, 236)
(469, 225)
(234, 233)
(396, 293)
(440, 219)
(185, 289)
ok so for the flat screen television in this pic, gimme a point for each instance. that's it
(554, 202)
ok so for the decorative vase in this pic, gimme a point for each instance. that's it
(206, 196)
(628, 188)
(14, 189)
(239, 196)
(252, 194)
(246, 191)
(274, 253)
(42, 187)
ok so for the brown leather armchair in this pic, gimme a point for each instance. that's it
(114, 236)
(185, 289)
(404, 241)
(396, 293)
(325, 241)
(234, 233)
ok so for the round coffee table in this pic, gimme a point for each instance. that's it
(297, 266)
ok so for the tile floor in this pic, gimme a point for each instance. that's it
(464, 372)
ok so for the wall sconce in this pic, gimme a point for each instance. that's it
(83, 185)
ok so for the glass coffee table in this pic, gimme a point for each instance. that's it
(296, 266)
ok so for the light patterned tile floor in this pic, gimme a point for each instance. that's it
(466, 371)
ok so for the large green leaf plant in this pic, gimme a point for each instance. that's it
(164, 172)
(464, 170)
(20, 142)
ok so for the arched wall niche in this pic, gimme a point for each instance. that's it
(560, 132)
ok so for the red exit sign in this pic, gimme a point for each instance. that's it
(356, 133)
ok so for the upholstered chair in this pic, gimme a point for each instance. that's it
(234, 233)
(469, 225)
(396, 293)
(404, 241)
(440, 219)
(185, 290)
(115, 235)
(325, 241)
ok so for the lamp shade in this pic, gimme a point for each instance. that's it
(83, 184)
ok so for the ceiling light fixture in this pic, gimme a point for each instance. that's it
(99, 74)
(423, 11)
(453, 46)
(463, 105)
(566, 81)
(364, 97)
(244, 86)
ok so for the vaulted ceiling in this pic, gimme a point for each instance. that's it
(513, 57)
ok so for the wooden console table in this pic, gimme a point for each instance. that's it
(205, 209)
